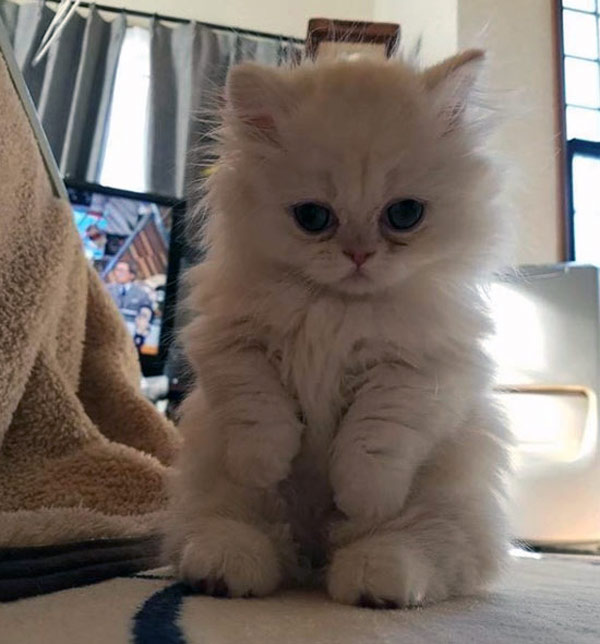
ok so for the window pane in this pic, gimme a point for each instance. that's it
(582, 82)
(583, 124)
(580, 34)
(583, 5)
(586, 199)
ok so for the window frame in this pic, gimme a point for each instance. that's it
(575, 147)
(570, 147)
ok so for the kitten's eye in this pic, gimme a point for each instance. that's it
(313, 217)
(404, 214)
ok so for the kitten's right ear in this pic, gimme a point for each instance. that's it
(258, 96)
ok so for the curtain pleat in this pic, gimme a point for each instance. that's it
(9, 14)
(189, 65)
(72, 86)
(28, 28)
(86, 129)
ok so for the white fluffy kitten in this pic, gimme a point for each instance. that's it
(342, 415)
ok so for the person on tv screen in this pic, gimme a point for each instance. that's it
(127, 295)
(143, 323)
(94, 242)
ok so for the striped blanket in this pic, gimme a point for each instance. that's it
(551, 599)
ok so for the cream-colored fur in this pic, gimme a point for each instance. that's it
(343, 416)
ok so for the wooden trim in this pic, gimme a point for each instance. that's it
(564, 241)
(324, 29)
(552, 389)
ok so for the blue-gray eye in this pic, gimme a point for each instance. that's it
(313, 217)
(404, 214)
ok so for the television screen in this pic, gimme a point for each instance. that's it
(126, 238)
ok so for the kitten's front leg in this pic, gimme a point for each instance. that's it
(223, 538)
(450, 538)
(258, 417)
(386, 434)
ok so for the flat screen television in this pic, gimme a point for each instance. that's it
(133, 240)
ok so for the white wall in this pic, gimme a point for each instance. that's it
(434, 22)
(285, 17)
(519, 37)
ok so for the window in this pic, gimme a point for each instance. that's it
(123, 164)
(581, 47)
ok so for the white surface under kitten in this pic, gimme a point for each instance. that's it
(343, 415)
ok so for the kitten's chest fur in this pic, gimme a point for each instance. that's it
(320, 359)
(322, 356)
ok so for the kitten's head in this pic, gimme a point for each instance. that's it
(354, 175)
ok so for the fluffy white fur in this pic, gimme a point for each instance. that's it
(343, 416)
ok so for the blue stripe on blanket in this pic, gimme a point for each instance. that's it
(156, 621)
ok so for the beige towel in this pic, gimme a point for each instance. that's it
(82, 453)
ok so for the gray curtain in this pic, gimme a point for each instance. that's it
(72, 86)
(188, 66)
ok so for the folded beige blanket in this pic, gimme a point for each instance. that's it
(82, 453)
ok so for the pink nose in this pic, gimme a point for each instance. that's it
(358, 257)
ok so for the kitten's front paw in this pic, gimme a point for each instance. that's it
(252, 463)
(366, 490)
(379, 572)
(230, 559)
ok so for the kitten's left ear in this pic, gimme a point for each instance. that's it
(451, 84)
(257, 96)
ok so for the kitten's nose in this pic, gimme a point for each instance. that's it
(358, 257)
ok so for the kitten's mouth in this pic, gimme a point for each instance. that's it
(356, 275)
(357, 282)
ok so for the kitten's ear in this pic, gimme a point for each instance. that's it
(451, 84)
(257, 96)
